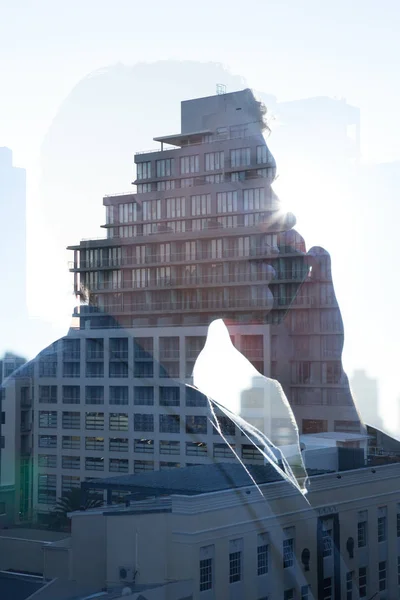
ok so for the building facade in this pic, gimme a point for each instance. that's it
(203, 237)
(240, 543)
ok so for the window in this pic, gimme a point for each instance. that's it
(94, 443)
(196, 449)
(48, 365)
(175, 207)
(71, 442)
(262, 559)
(94, 463)
(382, 524)
(94, 420)
(235, 567)
(362, 534)
(201, 204)
(262, 155)
(144, 188)
(118, 394)
(254, 199)
(382, 575)
(288, 553)
(398, 570)
(190, 164)
(94, 369)
(118, 348)
(187, 182)
(214, 161)
(223, 451)
(206, 574)
(351, 426)
(151, 210)
(288, 594)
(226, 425)
(169, 447)
(140, 278)
(349, 585)
(94, 394)
(68, 482)
(143, 445)
(215, 178)
(47, 460)
(71, 420)
(169, 396)
(227, 202)
(48, 394)
(118, 444)
(169, 423)
(71, 462)
(326, 542)
(362, 582)
(127, 212)
(143, 396)
(47, 489)
(195, 398)
(314, 426)
(143, 422)
(305, 592)
(48, 419)
(398, 521)
(143, 369)
(162, 186)
(144, 170)
(143, 465)
(118, 422)
(165, 167)
(240, 157)
(327, 589)
(71, 394)
(95, 347)
(169, 465)
(47, 441)
(251, 452)
(118, 369)
(196, 424)
(120, 465)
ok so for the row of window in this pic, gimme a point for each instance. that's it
(194, 250)
(168, 423)
(213, 161)
(142, 445)
(177, 207)
(119, 395)
(207, 568)
(210, 223)
(195, 180)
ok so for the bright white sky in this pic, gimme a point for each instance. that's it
(290, 48)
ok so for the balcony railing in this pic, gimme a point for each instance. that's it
(259, 304)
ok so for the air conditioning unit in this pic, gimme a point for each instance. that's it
(126, 574)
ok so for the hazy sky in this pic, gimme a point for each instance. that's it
(290, 48)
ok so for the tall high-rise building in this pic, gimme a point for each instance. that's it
(202, 237)
(366, 395)
(13, 249)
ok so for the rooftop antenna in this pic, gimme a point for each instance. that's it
(221, 89)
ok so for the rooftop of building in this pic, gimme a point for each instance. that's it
(18, 586)
(199, 479)
(37, 535)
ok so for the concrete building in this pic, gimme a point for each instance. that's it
(209, 532)
(12, 461)
(203, 238)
